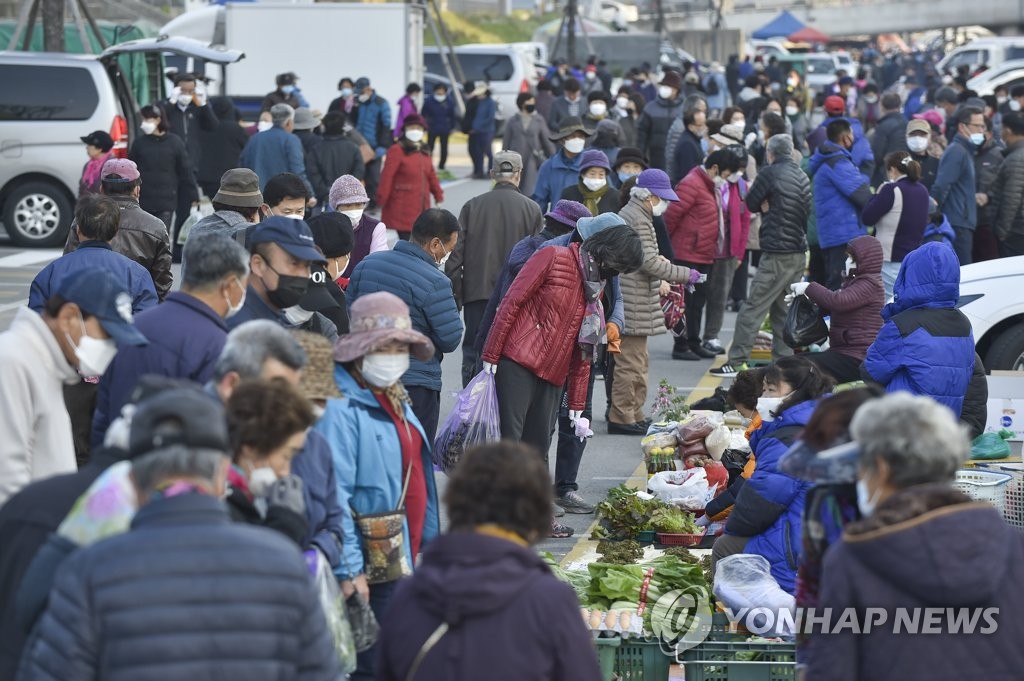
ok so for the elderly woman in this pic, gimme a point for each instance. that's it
(527, 134)
(483, 604)
(900, 557)
(593, 189)
(381, 455)
(408, 180)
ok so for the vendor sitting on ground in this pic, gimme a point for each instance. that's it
(766, 518)
(743, 394)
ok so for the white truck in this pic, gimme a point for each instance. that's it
(319, 42)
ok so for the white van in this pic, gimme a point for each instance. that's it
(509, 69)
(991, 51)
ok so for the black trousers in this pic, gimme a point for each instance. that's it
(738, 292)
(816, 266)
(372, 178)
(426, 404)
(695, 302)
(80, 401)
(472, 313)
(835, 262)
(443, 139)
(843, 368)
(528, 406)
(570, 448)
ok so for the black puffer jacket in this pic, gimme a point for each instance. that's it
(652, 128)
(165, 169)
(1007, 196)
(987, 161)
(788, 192)
(974, 414)
(336, 155)
(890, 135)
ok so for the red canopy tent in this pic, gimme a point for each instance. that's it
(808, 35)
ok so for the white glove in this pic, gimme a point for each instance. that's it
(574, 416)
(702, 278)
(790, 297)
(490, 368)
(749, 139)
(173, 99)
(703, 521)
(583, 430)
(200, 96)
(799, 288)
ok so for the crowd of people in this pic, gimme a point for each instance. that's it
(285, 395)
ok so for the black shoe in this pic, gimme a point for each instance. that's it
(627, 429)
(686, 355)
(701, 352)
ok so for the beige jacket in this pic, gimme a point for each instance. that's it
(640, 289)
(36, 428)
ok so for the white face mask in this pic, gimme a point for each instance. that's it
(383, 371)
(1001, 100)
(94, 355)
(147, 127)
(917, 144)
(866, 501)
(792, 111)
(364, 98)
(594, 183)
(296, 315)
(734, 178)
(234, 309)
(622, 102)
(414, 135)
(444, 258)
(598, 109)
(850, 266)
(1014, 105)
(792, 82)
(441, 98)
(264, 125)
(767, 406)
(354, 215)
(260, 480)
(665, 92)
(660, 208)
(575, 145)
(345, 92)
(184, 100)
(742, 122)
(292, 216)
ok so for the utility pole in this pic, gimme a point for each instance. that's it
(570, 27)
(53, 25)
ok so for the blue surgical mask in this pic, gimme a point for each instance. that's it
(704, 145)
(623, 175)
(866, 502)
(977, 138)
(345, 92)
(287, 89)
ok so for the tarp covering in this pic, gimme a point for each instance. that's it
(808, 34)
(779, 27)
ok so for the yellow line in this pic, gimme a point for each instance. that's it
(638, 480)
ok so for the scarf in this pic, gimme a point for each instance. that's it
(592, 330)
(492, 530)
(396, 393)
(92, 169)
(591, 199)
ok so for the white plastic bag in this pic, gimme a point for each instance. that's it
(686, 489)
(717, 442)
(744, 582)
(194, 216)
(334, 612)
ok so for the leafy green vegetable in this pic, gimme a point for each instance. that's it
(673, 520)
(624, 514)
(611, 583)
(579, 581)
(620, 552)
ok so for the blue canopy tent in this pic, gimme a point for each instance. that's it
(780, 27)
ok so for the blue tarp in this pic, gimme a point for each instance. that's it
(780, 27)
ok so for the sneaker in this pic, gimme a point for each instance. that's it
(715, 346)
(572, 502)
(557, 510)
(559, 531)
(686, 355)
(728, 370)
(699, 350)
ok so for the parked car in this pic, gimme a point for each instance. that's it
(991, 51)
(766, 48)
(819, 70)
(508, 69)
(1007, 74)
(50, 102)
(996, 314)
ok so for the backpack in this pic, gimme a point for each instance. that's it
(712, 86)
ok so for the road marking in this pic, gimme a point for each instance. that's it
(6, 307)
(455, 183)
(32, 257)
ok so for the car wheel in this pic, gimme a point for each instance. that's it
(37, 214)
(1007, 350)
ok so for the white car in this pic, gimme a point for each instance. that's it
(996, 75)
(990, 297)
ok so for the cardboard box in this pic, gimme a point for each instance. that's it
(1006, 403)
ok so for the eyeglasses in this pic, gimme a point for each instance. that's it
(980, 127)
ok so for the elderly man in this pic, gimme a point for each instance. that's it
(784, 187)
(180, 441)
(277, 150)
(492, 224)
(186, 334)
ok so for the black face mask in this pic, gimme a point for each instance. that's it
(530, 108)
(290, 289)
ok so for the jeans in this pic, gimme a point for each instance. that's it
(443, 139)
(964, 245)
(718, 284)
(528, 406)
(472, 313)
(775, 274)
(570, 448)
(890, 270)
(426, 404)
(479, 149)
(366, 661)
(695, 301)
(835, 263)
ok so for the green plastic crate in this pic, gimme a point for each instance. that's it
(638, 660)
(606, 649)
(716, 661)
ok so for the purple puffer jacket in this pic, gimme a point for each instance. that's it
(856, 307)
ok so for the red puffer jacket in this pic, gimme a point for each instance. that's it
(538, 322)
(692, 221)
(406, 183)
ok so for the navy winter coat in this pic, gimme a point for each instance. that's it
(186, 592)
(185, 340)
(315, 466)
(840, 193)
(410, 273)
(770, 504)
(441, 116)
(135, 278)
(954, 186)
(556, 173)
(926, 346)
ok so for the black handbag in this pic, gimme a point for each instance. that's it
(804, 324)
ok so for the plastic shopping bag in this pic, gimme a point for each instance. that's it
(804, 324)
(687, 489)
(334, 610)
(194, 216)
(744, 581)
(474, 420)
(991, 446)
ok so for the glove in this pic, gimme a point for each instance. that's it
(287, 493)
(799, 288)
(750, 139)
(200, 97)
(583, 430)
(574, 416)
(695, 278)
(614, 337)
(490, 368)
(790, 297)
(703, 521)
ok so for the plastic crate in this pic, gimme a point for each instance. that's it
(1013, 509)
(716, 661)
(681, 539)
(637, 660)
(984, 485)
(646, 537)
(606, 649)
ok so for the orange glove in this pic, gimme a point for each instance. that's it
(614, 339)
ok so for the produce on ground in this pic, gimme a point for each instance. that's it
(671, 520)
(622, 552)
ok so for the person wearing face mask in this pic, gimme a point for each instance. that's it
(348, 197)
(336, 155)
(598, 106)
(162, 157)
(657, 117)
(381, 451)
(868, 110)
(236, 206)
(766, 519)
(629, 163)
(99, 147)
(527, 134)
(333, 235)
(276, 150)
(570, 105)
(798, 123)
(688, 150)
(409, 105)
(561, 170)
(918, 137)
(287, 92)
(408, 180)
(649, 198)
(889, 134)
(414, 272)
(439, 112)
(482, 128)
(592, 189)
(910, 450)
(955, 183)
(74, 334)
(187, 333)
(860, 148)
(345, 102)
(372, 118)
(1008, 190)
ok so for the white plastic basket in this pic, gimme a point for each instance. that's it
(1013, 509)
(983, 485)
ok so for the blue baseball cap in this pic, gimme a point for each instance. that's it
(98, 293)
(294, 236)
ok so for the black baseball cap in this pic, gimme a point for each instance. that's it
(98, 293)
(186, 417)
(333, 234)
(293, 236)
(99, 139)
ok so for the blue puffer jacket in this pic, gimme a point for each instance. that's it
(556, 173)
(135, 278)
(368, 465)
(840, 193)
(925, 346)
(314, 464)
(954, 184)
(861, 153)
(770, 504)
(372, 115)
(411, 274)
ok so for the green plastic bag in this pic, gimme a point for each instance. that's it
(991, 446)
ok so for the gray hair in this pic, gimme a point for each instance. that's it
(211, 257)
(780, 146)
(150, 470)
(642, 193)
(692, 102)
(281, 114)
(919, 438)
(250, 345)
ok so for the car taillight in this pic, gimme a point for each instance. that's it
(119, 133)
(524, 86)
